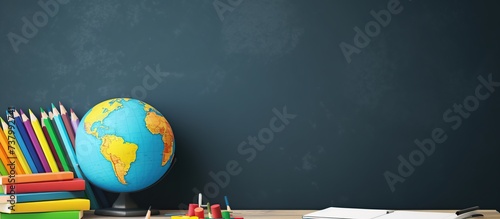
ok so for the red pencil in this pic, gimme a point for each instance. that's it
(67, 124)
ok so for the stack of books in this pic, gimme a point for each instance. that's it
(34, 148)
(43, 195)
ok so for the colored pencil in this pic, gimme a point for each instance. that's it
(56, 131)
(20, 142)
(74, 121)
(10, 152)
(35, 142)
(43, 143)
(67, 124)
(27, 140)
(14, 147)
(5, 162)
(72, 157)
(49, 141)
(55, 141)
(3, 171)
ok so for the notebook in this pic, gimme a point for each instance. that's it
(359, 213)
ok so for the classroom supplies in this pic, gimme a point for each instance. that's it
(215, 210)
(358, 213)
(43, 143)
(54, 138)
(199, 212)
(9, 133)
(191, 209)
(45, 215)
(50, 186)
(74, 120)
(29, 145)
(67, 124)
(41, 196)
(51, 145)
(148, 213)
(20, 142)
(72, 157)
(34, 141)
(228, 208)
(10, 148)
(77, 204)
(39, 177)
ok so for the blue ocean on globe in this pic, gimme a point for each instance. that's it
(124, 145)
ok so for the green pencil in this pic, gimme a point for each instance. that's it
(3, 171)
(53, 136)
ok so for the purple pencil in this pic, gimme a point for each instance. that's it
(35, 142)
(75, 121)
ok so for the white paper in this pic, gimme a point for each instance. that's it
(346, 213)
(417, 215)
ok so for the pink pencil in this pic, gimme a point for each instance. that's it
(35, 142)
(75, 121)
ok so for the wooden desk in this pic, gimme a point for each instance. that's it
(274, 214)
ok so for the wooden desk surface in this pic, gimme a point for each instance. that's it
(274, 214)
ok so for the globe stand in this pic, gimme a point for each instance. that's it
(124, 206)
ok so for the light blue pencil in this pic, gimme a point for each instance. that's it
(72, 157)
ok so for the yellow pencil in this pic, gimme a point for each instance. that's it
(18, 152)
(43, 143)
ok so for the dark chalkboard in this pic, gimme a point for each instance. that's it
(282, 104)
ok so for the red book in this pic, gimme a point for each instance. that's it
(50, 186)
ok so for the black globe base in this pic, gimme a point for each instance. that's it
(124, 206)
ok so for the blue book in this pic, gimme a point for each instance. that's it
(28, 144)
(42, 196)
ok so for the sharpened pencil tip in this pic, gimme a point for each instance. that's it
(53, 106)
(41, 110)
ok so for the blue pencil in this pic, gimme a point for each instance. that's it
(20, 142)
(31, 150)
(72, 157)
(227, 204)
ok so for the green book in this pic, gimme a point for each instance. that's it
(44, 215)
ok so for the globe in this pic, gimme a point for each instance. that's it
(124, 145)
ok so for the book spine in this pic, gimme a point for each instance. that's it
(66, 185)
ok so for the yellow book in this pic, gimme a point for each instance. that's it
(5, 146)
(19, 153)
(75, 204)
(43, 143)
